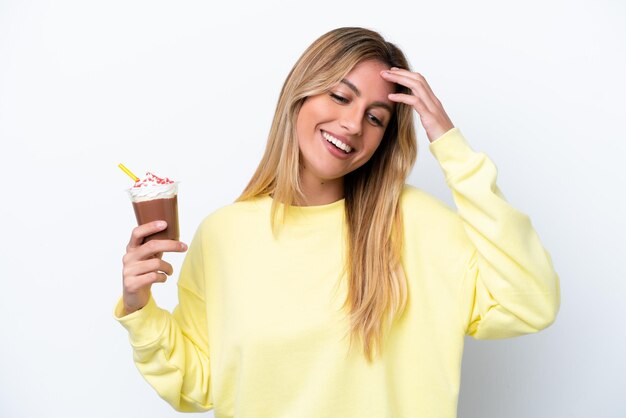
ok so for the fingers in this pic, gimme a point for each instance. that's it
(139, 276)
(137, 284)
(143, 266)
(137, 250)
(156, 248)
(142, 231)
(148, 257)
(147, 266)
(413, 76)
(432, 114)
(410, 100)
(416, 83)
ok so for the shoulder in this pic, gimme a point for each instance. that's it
(414, 202)
(236, 216)
(430, 221)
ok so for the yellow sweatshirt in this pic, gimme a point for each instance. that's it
(259, 331)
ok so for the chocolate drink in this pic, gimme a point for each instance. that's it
(156, 199)
(159, 210)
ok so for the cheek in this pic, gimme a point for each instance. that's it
(310, 113)
(304, 124)
(373, 144)
(305, 127)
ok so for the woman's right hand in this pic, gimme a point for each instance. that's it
(142, 264)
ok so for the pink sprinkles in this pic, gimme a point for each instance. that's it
(152, 180)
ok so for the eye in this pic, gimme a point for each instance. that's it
(374, 120)
(339, 98)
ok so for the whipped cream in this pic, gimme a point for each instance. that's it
(153, 187)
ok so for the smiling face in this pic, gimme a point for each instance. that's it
(340, 130)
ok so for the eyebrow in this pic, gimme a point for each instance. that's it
(358, 93)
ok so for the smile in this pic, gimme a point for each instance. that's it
(345, 147)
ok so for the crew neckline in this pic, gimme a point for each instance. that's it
(339, 202)
(307, 213)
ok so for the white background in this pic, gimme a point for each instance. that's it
(187, 89)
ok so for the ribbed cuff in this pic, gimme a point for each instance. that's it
(144, 326)
(452, 151)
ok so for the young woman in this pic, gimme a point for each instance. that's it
(331, 288)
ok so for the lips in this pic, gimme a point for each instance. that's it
(340, 143)
(334, 150)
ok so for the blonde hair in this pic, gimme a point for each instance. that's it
(377, 290)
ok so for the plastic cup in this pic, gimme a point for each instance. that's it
(157, 203)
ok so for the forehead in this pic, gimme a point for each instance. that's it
(365, 76)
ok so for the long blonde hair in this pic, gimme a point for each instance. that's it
(377, 289)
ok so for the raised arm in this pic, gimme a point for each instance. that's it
(509, 286)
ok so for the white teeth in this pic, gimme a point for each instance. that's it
(336, 142)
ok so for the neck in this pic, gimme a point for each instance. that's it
(319, 192)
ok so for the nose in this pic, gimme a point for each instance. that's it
(351, 120)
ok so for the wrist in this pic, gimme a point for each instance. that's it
(130, 309)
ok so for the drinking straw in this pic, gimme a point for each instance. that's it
(128, 172)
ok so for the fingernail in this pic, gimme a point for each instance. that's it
(161, 224)
(183, 246)
(394, 68)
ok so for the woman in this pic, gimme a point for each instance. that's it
(327, 247)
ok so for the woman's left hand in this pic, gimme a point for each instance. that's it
(434, 119)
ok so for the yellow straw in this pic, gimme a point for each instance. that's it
(127, 171)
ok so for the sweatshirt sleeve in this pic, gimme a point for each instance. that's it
(509, 285)
(171, 350)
